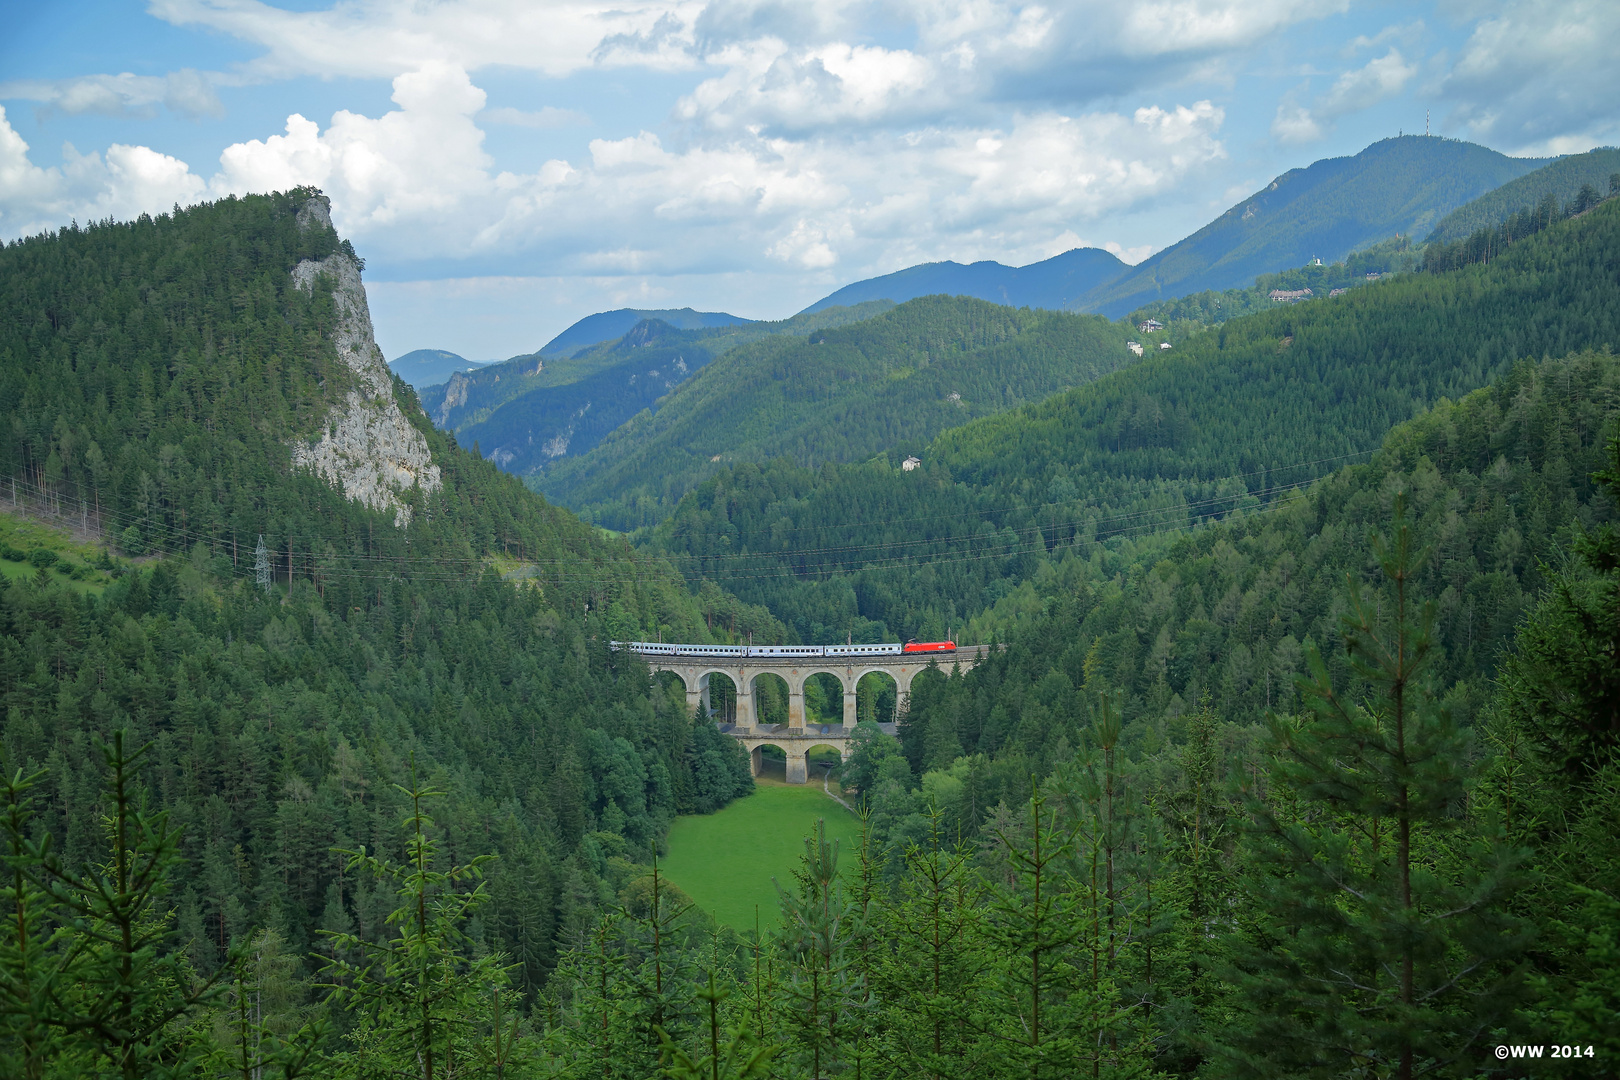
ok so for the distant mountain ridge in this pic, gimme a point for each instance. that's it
(530, 413)
(1562, 180)
(527, 411)
(1054, 283)
(422, 368)
(612, 325)
(835, 395)
(1327, 210)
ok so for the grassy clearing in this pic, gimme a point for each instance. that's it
(23, 535)
(725, 861)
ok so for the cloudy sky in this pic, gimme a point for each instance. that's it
(508, 166)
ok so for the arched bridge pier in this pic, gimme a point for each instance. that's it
(794, 738)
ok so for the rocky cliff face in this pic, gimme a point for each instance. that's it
(455, 396)
(368, 449)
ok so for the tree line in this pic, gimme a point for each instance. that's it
(1362, 884)
(1230, 421)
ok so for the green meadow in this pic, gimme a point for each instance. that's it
(725, 861)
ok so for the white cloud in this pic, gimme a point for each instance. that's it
(1408, 34)
(416, 183)
(547, 117)
(187, 92)
(1168, 26)
(1381, 78)
(806, 245)
(381, 38)
(1130, 256)
(419, 163)
(1294, 122)
(834, 73)
(766, 83)
(1360, 88)
(1536, 77)
(129, 181)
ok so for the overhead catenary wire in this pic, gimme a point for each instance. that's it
(146, 522)
(660, 565)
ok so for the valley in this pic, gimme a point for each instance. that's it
(1258, 719)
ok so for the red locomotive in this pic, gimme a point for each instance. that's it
(929, 646)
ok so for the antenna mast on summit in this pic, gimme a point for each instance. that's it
(1425, 123)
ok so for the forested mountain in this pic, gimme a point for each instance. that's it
(885, 385)
(292, 653)
(1318, 280)
(529, 430)
(547, 404)
(1563, 180)
(422, 368)
(1054, 283)
(1396, 186)
(1245, 792)
(607, 326)
(1497, 483)
(1230, 419)
(1187, 700)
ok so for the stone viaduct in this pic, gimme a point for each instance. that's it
(793, 738)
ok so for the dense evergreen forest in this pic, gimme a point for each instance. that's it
(886, 385)
(1185, 315)
(1299, 755)
(154, 374)
(1562, 179)
(1231, 419)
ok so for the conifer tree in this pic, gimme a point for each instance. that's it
(30, 950)
(726, 1054)
(932, 974)
(418, 998)
(823, 988)
(659, 972)
(114, 988)
(1387, 951)
(1555, 780)
(1044, 1013)
(264, 1037)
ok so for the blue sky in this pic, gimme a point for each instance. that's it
(508, 166)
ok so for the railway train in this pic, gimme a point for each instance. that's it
(659, 648)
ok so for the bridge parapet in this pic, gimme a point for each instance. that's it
(795, 738)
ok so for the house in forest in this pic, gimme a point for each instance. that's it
(910, 463)
(1135, 347)
(1289, 296)
(1150, 326)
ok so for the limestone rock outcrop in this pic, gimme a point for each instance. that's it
(367, 448)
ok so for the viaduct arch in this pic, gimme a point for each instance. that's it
(793, 738)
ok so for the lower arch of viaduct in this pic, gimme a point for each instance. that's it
(795, 740)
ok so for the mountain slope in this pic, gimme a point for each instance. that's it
(1493, 481)
(470, 398)
(1225, 421)
(323, 613)
(1054, 283)
(611, 325)
(421, 368)
(525, 433)
(845, 394)
(1403, 185)
(1562, 180)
